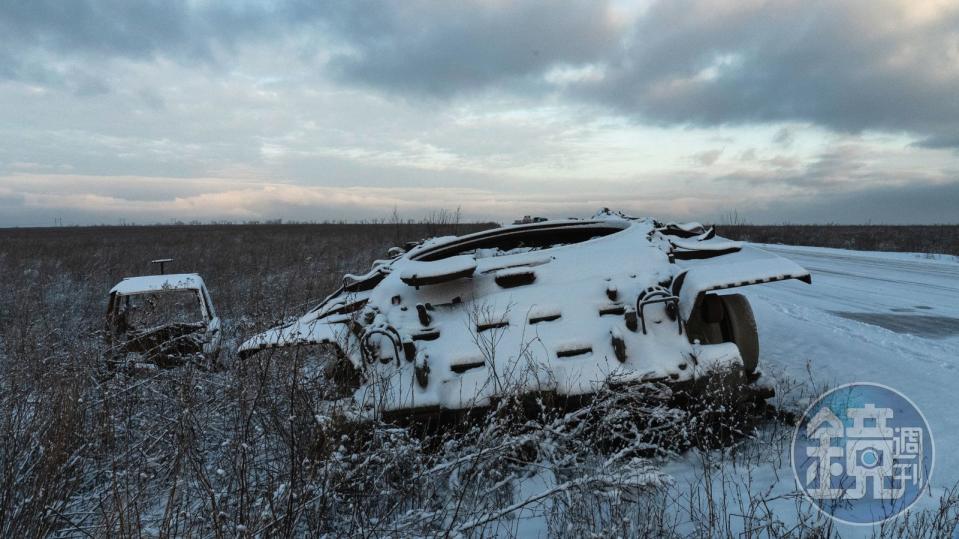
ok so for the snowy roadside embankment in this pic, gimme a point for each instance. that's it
(888, 318)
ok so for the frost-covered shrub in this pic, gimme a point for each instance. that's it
(269, 447)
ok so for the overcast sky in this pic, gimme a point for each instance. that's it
(786, 111)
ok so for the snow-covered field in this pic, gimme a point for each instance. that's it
(101, 454)
(888, 318)
(877, 317)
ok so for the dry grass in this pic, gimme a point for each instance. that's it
(932, 239)
(258, 448)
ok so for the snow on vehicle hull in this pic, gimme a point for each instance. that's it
(167, 343)
(555, 306)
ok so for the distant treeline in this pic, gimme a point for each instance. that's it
(933, 239)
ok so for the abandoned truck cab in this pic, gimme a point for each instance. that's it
(162, 320)
(562, 307)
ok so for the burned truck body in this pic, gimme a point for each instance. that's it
(162, 321)
(562, 307)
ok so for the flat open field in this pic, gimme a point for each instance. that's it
(938, 239)
(257, 274)
(252, 449)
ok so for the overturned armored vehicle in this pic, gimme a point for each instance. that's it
(559, 307)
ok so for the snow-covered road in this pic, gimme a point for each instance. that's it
(880, 317)
(889, 318)
(887, 286)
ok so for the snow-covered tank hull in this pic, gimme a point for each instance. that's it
(561, 307)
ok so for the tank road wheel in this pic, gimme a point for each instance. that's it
(739, 327)
(719, 319)
(727, 401)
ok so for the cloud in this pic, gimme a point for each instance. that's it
(343, 109)
(145, 29)
(891, 204)
(95, 200)
(71, 45)
(440, 49)
(849, 66)
(889, 65)
(424, 47)
(708, 157)
(784, 137)
(849, 182)
(845, 167)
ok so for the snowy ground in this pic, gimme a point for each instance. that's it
(879, 317)
(889, 318)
